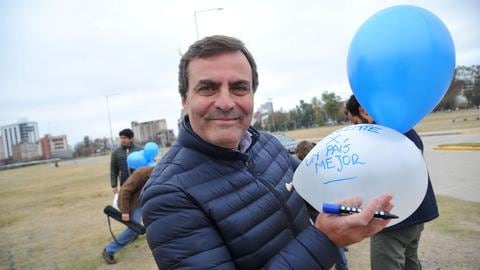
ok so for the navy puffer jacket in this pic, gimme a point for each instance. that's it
(207, 207)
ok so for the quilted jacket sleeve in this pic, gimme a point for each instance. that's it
(178, 232)
(311, 249)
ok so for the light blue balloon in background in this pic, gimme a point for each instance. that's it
(152, 163)
(137, 160)
(400, 64)
(151, 150)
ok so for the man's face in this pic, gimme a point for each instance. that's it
(361, 118)
(125, 141)
(219, 98)
(355, 119)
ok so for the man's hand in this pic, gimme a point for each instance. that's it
(115, 190)
(126, 216)
(346, 230)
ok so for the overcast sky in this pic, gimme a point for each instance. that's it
(60, 59)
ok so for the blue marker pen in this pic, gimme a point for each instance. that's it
(338, 209)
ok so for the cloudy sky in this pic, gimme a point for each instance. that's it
(59, 59)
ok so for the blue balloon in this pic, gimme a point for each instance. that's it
(152, 163)
(136, 160)
(151, 150)
(400, 64)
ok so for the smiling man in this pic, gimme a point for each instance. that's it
(220, 100)
(218, 198)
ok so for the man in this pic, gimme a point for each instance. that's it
(118, 162)
(130, 209)
(396, 247)
(218, 199)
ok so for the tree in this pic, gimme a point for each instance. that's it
(318, 112)
(465, 85)
(304, 114)
(331, 105)
(473, 93)
(454, 90)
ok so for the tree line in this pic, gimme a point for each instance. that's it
(328, 110)
(463, 93)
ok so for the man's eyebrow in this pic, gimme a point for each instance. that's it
(239, 82)
(206, 82)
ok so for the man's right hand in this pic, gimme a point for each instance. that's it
(115, 190)
(346, 230)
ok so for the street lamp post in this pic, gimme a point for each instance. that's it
(200, 11)
(110, 119)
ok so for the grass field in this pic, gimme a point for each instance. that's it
(51, 218)
(440, 121)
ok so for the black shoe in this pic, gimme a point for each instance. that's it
(109, 259)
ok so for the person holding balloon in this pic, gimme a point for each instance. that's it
(129, 199)
(400, 64)
(219, 198)
(119, 170)
(396, 247)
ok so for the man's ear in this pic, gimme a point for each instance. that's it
(184, 102)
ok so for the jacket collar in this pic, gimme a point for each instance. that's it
(188, 138)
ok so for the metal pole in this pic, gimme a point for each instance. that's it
(195, 18)
(109, 121)
(196, 25)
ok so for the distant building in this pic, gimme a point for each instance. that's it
(262, 114)
(21, 132)
(153, 131)
(26, 151)
(2, 151)
(55, 147)
(266, 108)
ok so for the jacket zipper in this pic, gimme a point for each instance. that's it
(279, 198)
(127, 150)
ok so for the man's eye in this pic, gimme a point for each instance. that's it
(240, 89)
(206, 90)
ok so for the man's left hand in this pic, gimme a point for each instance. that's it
(346, 230)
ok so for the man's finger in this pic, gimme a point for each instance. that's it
(354, 201)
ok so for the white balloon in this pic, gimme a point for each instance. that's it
(367, 161)
(115, 201)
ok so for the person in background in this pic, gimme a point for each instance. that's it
(218, 199)
(303, 148)
(130, 208)
(396, 247)
(118, 161)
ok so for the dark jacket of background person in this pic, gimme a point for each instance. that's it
(118, 164)
(131, 189)
(207, 207)
(428, 209)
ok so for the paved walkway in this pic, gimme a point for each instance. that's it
(454, 173)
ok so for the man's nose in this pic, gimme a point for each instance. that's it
(225, 100)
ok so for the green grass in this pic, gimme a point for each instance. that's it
(52, 218)
(459, 218)
(438, 121)
(449, 242)
(461, 144)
